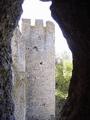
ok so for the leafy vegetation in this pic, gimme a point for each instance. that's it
(63, 75)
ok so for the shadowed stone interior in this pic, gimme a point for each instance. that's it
(10, 11)
(73, 16)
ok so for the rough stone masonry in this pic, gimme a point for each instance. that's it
(34, 71)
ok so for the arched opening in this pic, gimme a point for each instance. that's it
(63, 57)
(73, 17)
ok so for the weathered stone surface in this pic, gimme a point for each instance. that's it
(40, 71)
(34, 96)
(73, 18)
(10, 11)
(18, 67)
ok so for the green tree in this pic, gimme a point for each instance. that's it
(63, 75)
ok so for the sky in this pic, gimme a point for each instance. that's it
(35, 9)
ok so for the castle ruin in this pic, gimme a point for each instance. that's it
(33, 56)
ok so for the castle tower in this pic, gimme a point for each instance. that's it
(34, 71)
(40, 69)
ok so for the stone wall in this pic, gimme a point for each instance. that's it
(18, 68)
(34, 71)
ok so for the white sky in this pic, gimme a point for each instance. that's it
(35, 9)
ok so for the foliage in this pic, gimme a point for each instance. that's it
(63, 75)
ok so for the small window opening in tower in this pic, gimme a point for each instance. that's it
(35, 85)
(36, 48)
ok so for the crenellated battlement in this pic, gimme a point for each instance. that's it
(26, 25)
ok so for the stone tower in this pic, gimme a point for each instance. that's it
(39, 80)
